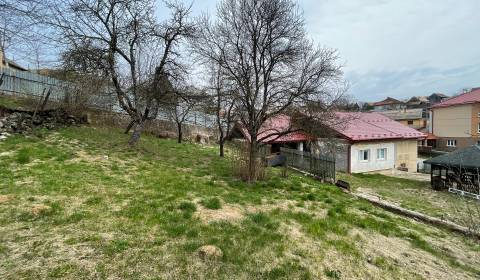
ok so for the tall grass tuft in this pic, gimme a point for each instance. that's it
(24, 156)
(212, 203)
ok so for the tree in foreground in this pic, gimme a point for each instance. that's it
(262, 46)
(125, 39)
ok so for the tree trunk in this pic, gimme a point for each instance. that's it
(136, 133)
(252, 157)
(222, 153)
(179, 126)
(221, 142)
(130, 125)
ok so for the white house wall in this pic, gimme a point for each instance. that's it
(373, 163)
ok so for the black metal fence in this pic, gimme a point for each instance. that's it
(322, 167)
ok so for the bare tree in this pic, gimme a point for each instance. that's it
(181, 104)
(225, 100)
(262, 46)
(137, 51)
(20, 33)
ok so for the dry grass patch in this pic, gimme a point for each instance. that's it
(39, 209)
(5, 198)
(399, 253)
(82, 155)
(228, 212)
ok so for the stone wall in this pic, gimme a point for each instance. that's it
(160, 128)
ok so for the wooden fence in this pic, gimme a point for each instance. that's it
(321, 166)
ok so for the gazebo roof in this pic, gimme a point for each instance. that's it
(467, 158)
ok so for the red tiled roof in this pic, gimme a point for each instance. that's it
(465, 98)
(275, 126)
(373, 126)
(431, 136)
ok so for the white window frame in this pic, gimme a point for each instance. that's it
(361, 155)
(451, 143)
(384, 154)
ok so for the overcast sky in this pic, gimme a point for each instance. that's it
(397, 48)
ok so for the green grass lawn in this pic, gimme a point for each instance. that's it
(417, 195)
(80, 204)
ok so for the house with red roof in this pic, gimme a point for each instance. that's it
(277, 132)
(456, 121)
(362, 142)
(372, 141)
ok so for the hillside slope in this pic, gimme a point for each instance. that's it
(79, 203)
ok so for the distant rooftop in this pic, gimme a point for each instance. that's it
(404, 114)
(4, 62)
(470, 97)
(439, 95)
(388, 101)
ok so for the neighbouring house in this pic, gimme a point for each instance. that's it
(371, 142)
(456, 121)
(425, 101)
(275, 134)
(435, 98)
(458, 171)
(388, 104)
(413, 113)
(418, 102)
(7, 63)
(415, 118)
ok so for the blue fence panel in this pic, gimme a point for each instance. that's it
(28, 84)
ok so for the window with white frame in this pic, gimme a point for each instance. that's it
(382, 154)
(451, 143)
(364, 155)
